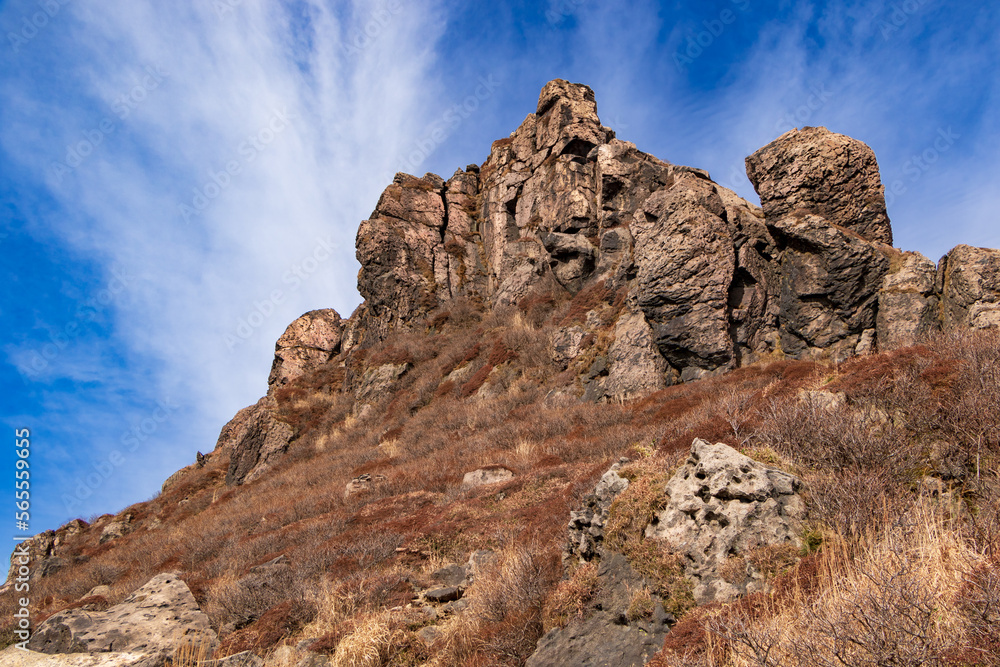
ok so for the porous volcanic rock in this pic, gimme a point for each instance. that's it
(824, 173)
(307, 342)
(158, 618)
(724, 505)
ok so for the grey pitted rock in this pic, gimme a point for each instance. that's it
(307, 343)
(254, 438)
(970, 287)
(908, 304)
(827, 174)
(725, 505)
(586, 526)
(159, 618)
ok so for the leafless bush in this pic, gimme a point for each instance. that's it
(832, 437)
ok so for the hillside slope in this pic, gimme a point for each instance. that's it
(401, 494)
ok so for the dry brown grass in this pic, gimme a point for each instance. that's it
(915, 413)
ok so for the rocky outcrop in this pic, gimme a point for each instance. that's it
(607, 636)
(701, 281)
(969, 282)
(823, 173)
(41, 555)
(253, 439)
(830, 281)
(157, 619)
(908, 303)
(586, 525)
(308, 342)
(610, 632)
(723, 509)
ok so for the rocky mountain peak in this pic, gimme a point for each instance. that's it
(710, 280)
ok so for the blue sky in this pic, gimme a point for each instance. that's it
(181, 180)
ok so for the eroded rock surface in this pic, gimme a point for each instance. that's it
(908, 303)
(157, 619)
(725, 506)
(824, 173)
(307, 343)
(970, 287)
(254, 438)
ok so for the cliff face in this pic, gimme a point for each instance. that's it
(454, 408)
(719, 282)
(702, 280)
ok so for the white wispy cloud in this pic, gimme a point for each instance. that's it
(223, 153)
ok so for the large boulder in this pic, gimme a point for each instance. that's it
(970, 287)
(723, 509)
(635, 366)
(685, 263)
(157, 619)
(307, 343)
(830, 282)
(254, 438)
(823, 173)
(908, 303)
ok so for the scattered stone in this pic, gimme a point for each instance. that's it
(453, 575)
(723, 504)
(442, 595)
(479, 562)
(429, 634)
(158, 618)
(486, 475)
(361, 484)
